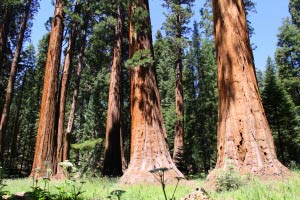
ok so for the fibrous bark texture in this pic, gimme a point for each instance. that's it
(45, 149)
(11, 78)
(179, 125)
(61, 135)
(244, 137)
(149, 149)
(75, 92)
(113, 153)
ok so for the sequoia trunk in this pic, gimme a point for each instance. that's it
(244, 137)
(75, 94)
(11, 79)
(45, 149)
(179, 126)
(149, 149)
(113, 153)
(61, 136)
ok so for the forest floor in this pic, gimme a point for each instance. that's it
(105, 188)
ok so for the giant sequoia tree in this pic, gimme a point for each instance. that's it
(244, 137)
(45, 148)
(74, 103)
(113, 155)
(62, 155)
(148, 138)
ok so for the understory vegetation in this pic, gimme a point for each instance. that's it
(99, 188)
(286, 188)
(249, 188)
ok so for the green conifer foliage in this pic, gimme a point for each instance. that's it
(294, 9)
(203, 120)
(281, 114)
(287, 57)
(176, 27)
(164, 60)
(206, 87)
(23, 125)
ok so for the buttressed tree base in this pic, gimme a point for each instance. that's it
(149, 149)
(245, 141)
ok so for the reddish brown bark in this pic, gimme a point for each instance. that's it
(75, 95)
(45, 149)
(61, 136)
(11, 79)
(149, 149)
(113, 153)
(179, 125)
(244, 137)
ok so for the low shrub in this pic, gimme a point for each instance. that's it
(228, 180)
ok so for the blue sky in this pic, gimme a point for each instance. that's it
(265, 22)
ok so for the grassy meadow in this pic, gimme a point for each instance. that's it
(101, 188)
(285, 189)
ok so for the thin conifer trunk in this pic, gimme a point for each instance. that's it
(179, 125)
(75, 94)
(11, 79)
(16, 127)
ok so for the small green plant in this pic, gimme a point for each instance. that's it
(2, 183)
(68, 169)
(294, 166)
(159, 174)
(116, 193)
(228, 180)
(39, 193)
(70, 189)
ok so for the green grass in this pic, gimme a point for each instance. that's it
(288, 189)
(100, 188)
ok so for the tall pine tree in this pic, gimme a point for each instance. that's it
(281, 114)
(176, 28)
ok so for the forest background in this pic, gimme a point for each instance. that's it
(265, 22)
(280, 93)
